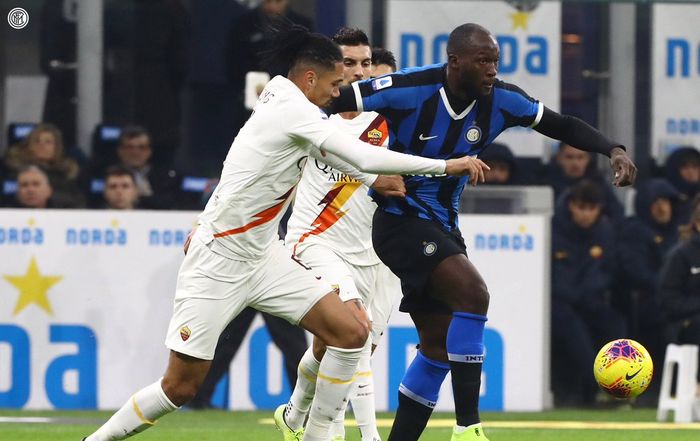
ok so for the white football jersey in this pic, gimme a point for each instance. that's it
(334, 209)
(261, 171)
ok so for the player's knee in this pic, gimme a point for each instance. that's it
(355, 337)
(474, 299)
(179, 392)
(435, 352)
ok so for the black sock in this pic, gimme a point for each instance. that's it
(411, 419)
(466, 382)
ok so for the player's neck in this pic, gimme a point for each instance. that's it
(454, 88)
(349, 115)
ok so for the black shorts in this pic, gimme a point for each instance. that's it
(412, 248)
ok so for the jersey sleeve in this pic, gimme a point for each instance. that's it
(517, 107)
(307, 122)
(383, 92)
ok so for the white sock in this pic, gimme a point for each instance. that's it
(304, 390)
(338, 424)
(136, 415)
(362, 397)
(335, 376)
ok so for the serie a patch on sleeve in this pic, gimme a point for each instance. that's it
(381, 83)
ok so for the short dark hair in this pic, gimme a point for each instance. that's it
(293, 45)
(34, 168)
(119, 170)
(350, 37)
(383, 56)
(461, 37)
(587, 192)
(132, 131)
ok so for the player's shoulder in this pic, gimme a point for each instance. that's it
(433, 74)
(503, 88)
(284, 96)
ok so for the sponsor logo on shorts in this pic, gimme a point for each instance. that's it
(185, 333)
(429, 248)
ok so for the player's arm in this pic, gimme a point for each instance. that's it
(390, 186)
(383, 161)
(579, 134)
(385, 92)
(345, 102)
(338, 164)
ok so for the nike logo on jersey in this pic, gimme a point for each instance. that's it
(694, 270)
(422, 137)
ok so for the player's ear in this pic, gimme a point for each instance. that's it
(310, 78)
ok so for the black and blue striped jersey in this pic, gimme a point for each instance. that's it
(423, 119)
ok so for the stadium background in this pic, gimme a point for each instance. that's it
(94, 335)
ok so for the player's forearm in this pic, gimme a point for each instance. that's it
(340, 165)
(575, 132)
(346, 101)
(380, 161)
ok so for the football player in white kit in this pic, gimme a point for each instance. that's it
(235, 259)
(330, 230)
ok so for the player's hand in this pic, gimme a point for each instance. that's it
(466, 165)
(624, 168)
(186, 246)
(390, 186)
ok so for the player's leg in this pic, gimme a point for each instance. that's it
(226, 349)
(458, 284)
(383, 291)
(421, 383)
(182, 378)
(291, 340)
(290, 290)
(297, 408)
(345, 337)
(194, 329)
(434, 271)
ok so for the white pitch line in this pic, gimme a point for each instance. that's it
(547, 425)
(34, 420)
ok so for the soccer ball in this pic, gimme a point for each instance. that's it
(623, 368)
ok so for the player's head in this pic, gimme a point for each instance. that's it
(357, 55)
(585, 203)
(120, 188)
(472, 59)
(134, 149)
(383, 62)
(314, 62)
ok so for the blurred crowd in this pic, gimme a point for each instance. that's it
(612, 274)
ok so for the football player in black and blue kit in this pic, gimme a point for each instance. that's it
(445, 111)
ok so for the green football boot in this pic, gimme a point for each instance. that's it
(287, 433)
(473, 433)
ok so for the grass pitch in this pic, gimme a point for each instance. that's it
(566, 425)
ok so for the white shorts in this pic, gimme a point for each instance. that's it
(352, 281)
(377, 287)
(212, 290)
(387, 292)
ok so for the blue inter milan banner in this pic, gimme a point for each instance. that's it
(86, 297)
(676, 78)
(528, 33)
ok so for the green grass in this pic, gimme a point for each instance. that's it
(246, 426)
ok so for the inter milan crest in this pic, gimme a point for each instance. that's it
(473, 135)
